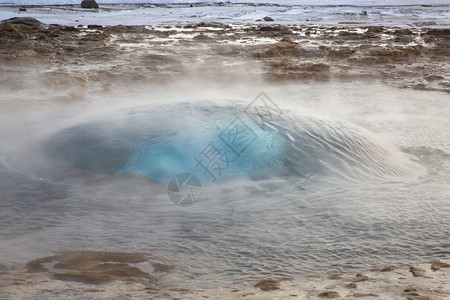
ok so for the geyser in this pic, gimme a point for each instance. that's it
(221, 144)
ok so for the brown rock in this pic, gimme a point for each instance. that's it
(247, 294)
(274, 30)
(436, 265)
(95, 267)
(387, 269)
(413, 294)
(439, 32)
(268, 285)
(434, 77)
(35, 267)
(312, 67)
(361, 295)
(104, 273)
(183, 291)
(201, 37)
(429, 39)
(341, 53)
(281, 49)
(330, 294)
(334, 276)
(375, 29)
(417, 272)
(361, 277)
(268, 19)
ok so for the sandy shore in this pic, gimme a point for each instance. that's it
(106, 275)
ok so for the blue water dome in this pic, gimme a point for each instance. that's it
(241, 149)
(216, 145)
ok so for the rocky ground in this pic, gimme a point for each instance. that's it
(70, 61)
(118, 275)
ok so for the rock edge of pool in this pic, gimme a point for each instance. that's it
(98, 275)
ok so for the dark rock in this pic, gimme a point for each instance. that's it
(330, 294)
(387, 269)
(25, 20)
(94, 26)
(22, 9)
(220, 3)
(89, 4)
(268, 19)
(268, 285)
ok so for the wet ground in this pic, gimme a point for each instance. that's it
(94, 60)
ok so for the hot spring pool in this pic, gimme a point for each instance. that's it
(304, 193)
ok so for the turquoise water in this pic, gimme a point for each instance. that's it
(217, 155)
